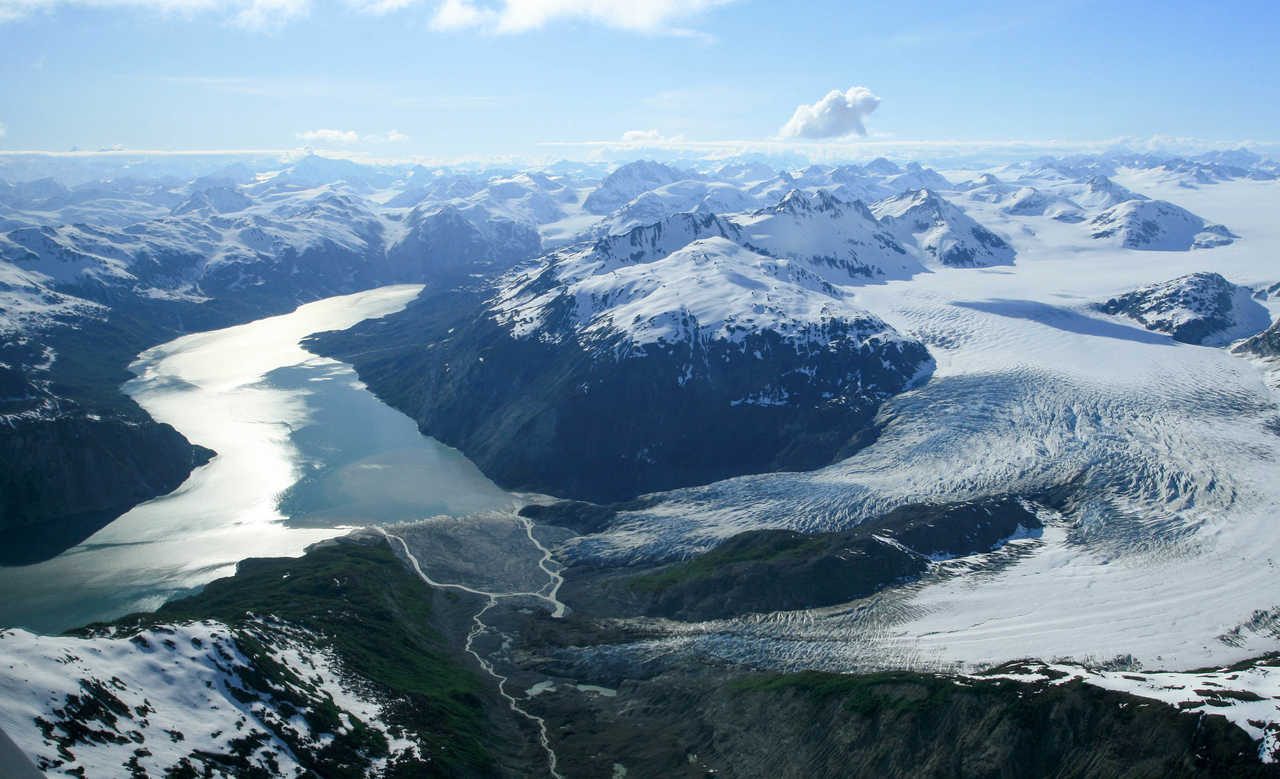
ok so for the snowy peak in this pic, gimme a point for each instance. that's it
(445, 239)
(830, 235)
(711, 289)
(1199, 308)
(1157, 225)
(628, 182)
(214, 200)
(649, 242)
(917, 176)
(987, 188)
(1102, 192)
(680, 196)
(941, 231)
(1029, 201)
(745, 172)
(882, 167)
(798, 202)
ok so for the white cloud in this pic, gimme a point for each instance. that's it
(270, 14)
(380, 7)
(649, 138)
(330, 136)
(834, 116)
(349, 137)
(502, 16)
(250, 14)
(390, 136)
(512, 16)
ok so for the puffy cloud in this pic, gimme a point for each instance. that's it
(330, 136)
(511, 16)
(648, 138)
(834, 116)
(270, 14)
(380, 7)
(390, 136)
(348, 137)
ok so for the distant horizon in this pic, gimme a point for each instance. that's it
(610, 154)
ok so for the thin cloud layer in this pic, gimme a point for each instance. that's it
(349, 137)
(834, 116)
(250, 14)
(514, 16)
(649, 138)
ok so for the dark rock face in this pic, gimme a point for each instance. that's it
(561, 419)
(1158, 225)
(63, 479)
(1264, 344)
(779, 570)
(443, 242)
(886, 725)
(1200, 308)
(942, 230)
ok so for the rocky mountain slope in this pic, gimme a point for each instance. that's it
(943, 232)
(1200, 308)
(1157, 225)
(79, 301)
(781, 570)
(682, 352)
(333, 664)
(344, 663)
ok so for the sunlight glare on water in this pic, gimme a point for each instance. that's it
(304, 450)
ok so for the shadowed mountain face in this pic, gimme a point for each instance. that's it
(761, 571)
(1200, 308)
(555, 417)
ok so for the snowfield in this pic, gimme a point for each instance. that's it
(154, 701)
(1175, 448)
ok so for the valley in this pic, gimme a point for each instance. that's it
(949, 459)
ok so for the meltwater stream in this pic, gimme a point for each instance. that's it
(304, 453)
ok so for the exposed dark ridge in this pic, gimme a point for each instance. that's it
(773, 570)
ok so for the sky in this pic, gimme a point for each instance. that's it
(459, 79)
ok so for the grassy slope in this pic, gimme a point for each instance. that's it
(377, 616)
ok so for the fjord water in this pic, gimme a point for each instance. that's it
(304, 451)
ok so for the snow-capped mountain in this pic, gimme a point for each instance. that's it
(1029, 201)
(444, 240)
(712, 289)
(693, 336)
(825, 231)
(943, 232)
(1097, 193)
(1021, 200)
(214, 200)
(1157, 225)
(686, 195)
(628, 182)
(1200, 308)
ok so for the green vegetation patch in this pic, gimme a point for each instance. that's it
(368, 608)
(867, 694)
(756, 546)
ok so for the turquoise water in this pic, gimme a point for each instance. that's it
(304, 453)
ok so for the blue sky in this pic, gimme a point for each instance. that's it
(485, 78)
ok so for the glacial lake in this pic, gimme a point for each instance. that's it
(305, 453)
